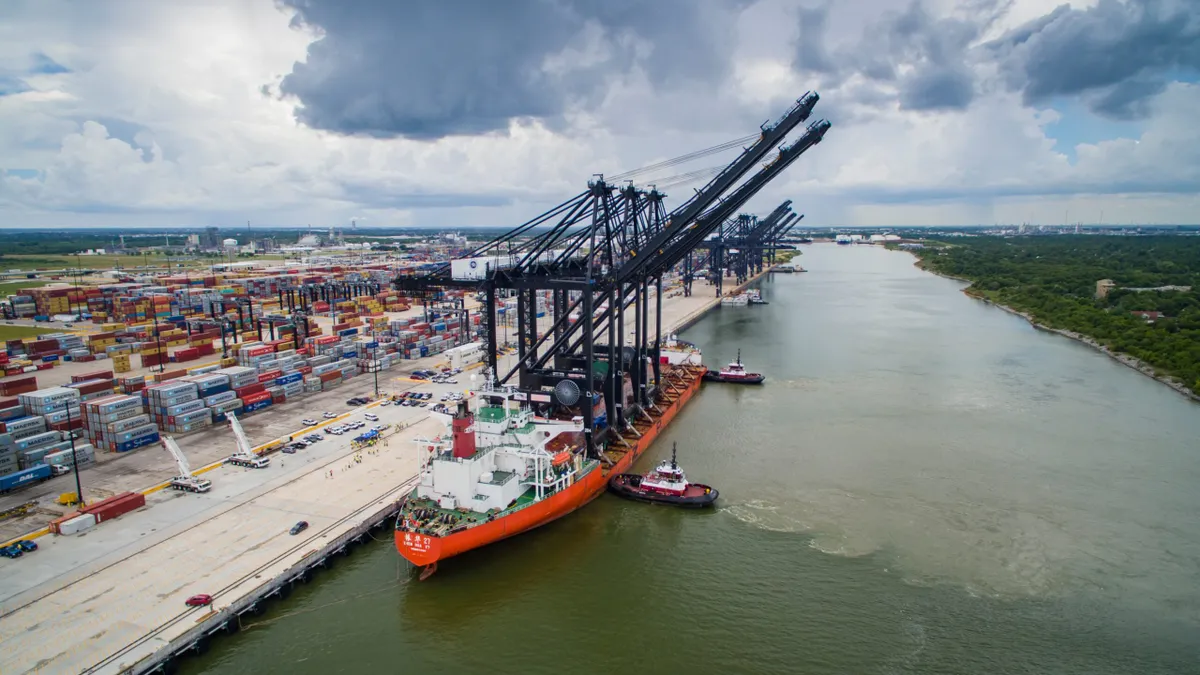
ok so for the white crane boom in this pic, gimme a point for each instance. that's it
(245, 455)
(243, 443)
(185, 480)
(172, 447)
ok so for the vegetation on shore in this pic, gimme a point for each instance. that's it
(1053, 280)
(20, 332)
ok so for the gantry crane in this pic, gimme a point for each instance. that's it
(597, 255)
(185, 480)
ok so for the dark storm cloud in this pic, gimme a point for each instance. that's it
(936, 49)
(431, 68)
(1117, 54)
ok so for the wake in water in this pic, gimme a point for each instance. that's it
(775, 518)
(986, 553)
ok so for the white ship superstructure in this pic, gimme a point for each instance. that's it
(498, 453)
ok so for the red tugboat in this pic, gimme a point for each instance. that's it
(734, 373)
(665, 485)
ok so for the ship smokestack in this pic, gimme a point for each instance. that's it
(464, 432)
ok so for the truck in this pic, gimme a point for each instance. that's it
(245, 455)
(185, 481)
(26, 477)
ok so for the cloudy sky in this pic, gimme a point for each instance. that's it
(486, 112)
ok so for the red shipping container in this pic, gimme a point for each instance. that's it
(152, 359)
(94, 387)
(170, 375)
(242, 392)
(117, 506)
(278, 398)
(327, 377)
(255, 398)
(189, 354)
(269, 375)
(259, 351)
(305, 370)
(206, 350)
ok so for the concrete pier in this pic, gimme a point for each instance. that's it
(111, 600)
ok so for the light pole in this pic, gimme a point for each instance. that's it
(74, 454)
(157, 338)
(375, 366)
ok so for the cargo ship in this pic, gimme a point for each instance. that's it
(502, 470)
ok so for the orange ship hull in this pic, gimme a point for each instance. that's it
(423, 550)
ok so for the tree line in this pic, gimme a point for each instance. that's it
(1053, 279)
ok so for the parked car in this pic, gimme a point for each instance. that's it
(308, 422)
(11, 551)
(372, 417)
(27, 545)
(202, 600)
(288, 449)
(299, 527)
(329, 415)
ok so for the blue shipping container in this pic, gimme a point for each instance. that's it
(289, 378)
(349, 355)
(29, 476)
(348, 331)
(48, 359)
(257, 405)
(137, 442)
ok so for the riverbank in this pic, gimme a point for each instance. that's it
(1124, 359)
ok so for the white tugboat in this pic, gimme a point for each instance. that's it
(667, 484)
(734, 373)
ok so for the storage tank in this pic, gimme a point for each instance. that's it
(229, 243)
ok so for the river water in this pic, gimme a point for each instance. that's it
(925, 484)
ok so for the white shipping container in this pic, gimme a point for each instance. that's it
(78, 524)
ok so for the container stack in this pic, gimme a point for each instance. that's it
(32, 449)
(53, 399)
(176, 407)
(85, 453)
(118, 424)
(8, 455)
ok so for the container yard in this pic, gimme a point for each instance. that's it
(132, 577)
(50, 599)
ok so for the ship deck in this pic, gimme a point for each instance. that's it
(466, 516)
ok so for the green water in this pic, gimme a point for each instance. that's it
(924, 485)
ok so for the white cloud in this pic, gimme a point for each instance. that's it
(162, 120)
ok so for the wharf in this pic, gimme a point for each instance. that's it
(125, 612)
(122, 610)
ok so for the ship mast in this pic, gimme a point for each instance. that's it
(673, 464)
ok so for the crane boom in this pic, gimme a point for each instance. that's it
(181, 461)
(685, 216)
(185, 480)
(245, 455)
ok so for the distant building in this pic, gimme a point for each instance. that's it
(1150, 317)
(1103, 287)
(209, 239)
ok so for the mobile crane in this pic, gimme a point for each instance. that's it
(244, 456)
(185, 480)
